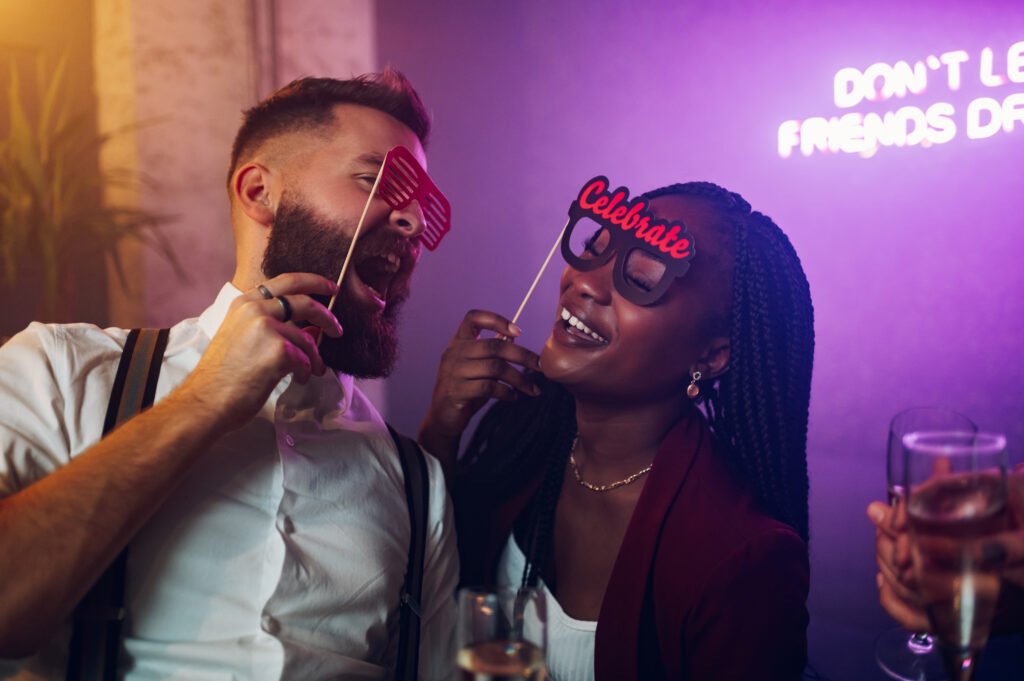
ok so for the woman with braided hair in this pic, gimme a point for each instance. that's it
(671, 538)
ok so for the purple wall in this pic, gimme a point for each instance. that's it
(913, 255)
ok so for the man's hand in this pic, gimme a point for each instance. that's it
(65, 529)
(897, 587)
(254, 348)
(473, 370)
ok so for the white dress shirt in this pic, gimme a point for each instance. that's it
(282, 554)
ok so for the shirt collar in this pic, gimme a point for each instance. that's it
(213, 316)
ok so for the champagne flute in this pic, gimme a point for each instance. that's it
(903, 656)
(956, 499)
(501, 634)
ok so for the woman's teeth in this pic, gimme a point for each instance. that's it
(575, 322)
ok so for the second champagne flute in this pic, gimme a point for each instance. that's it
(501, 634)
(903, 656)
(956, 499)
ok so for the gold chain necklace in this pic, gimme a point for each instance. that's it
(611, 485)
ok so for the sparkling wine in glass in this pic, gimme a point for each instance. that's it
(903, 656)
(501, 634)
(956, 500)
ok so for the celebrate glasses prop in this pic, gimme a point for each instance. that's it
(903, 656)
(501, 634)
(956, 500)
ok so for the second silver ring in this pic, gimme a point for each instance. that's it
(286, 308)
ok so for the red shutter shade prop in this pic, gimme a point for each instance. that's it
(404, 180)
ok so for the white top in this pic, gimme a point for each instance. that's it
(282, 554)
(570, 648)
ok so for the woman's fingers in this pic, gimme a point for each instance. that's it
(495, 348)
(476, 321)
(478, 369)
(493, 369)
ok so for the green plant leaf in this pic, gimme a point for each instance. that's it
(48, 107)
(51, 190)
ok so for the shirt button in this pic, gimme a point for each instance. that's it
(286, 525)
(289, 440)
(270, 624)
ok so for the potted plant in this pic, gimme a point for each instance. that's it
(53, 219)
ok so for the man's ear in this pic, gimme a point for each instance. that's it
(251, 187)
(716, 357)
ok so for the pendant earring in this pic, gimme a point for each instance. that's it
(693, 390)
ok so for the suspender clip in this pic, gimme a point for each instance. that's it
(411, 603)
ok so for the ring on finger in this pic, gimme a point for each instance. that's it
(286, 308)
(264, 291)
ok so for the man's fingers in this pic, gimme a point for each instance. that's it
(297, 283)
(305, 344)
(303, 309)
(301, 366)
(476, 321)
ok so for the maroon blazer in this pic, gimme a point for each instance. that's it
(705, 586)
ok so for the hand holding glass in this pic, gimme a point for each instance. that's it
(903, 656)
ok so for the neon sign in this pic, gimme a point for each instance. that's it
(864, 133)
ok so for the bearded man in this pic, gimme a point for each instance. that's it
(261, 497)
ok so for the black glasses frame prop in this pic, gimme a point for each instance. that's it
(630, 228)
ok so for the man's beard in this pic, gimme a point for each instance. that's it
(301, 241)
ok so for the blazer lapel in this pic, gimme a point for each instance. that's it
(618, 625)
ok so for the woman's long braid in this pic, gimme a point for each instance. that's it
(516, 438)
(541, 527)
(760, 408)
(512, 441)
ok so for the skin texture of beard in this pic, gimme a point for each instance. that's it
(301, 241)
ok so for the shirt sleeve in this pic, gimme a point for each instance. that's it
(33, 433)
(440, 576)
(758, 596)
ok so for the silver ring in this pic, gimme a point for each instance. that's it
(286, 308)
(264, 291)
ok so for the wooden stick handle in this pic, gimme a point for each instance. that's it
(539, 274)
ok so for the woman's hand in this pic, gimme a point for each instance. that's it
(474, 370)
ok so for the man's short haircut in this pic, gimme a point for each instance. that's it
(307, 104)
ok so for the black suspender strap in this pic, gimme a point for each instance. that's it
(96, 633)
(417, 493)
